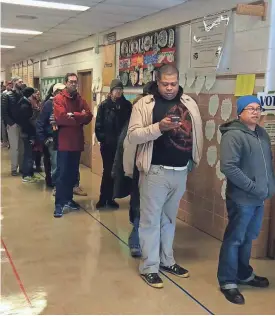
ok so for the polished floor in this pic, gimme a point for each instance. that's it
(80, 264)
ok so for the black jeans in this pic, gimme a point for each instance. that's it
(27, 158)
(67, 175)
(47, 165)
(107, 183)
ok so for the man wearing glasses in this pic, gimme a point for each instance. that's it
(71, 114)
(246, 161)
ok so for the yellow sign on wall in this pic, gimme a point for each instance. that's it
(245, 85)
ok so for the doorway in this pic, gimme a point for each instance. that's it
(36, 83)
(85, 90)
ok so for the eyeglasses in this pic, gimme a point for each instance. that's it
(72, 82)
(252, 110)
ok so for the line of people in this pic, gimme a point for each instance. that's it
(148, 150)
(149, 158)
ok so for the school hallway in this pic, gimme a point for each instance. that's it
(80, 263)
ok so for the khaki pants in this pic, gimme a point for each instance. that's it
(160, 194)
(16, 147)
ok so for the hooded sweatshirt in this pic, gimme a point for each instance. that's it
(246, 161)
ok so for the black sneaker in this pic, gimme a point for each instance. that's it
(258, 281)
(14, 173)
(58, 212)
(100, 204)
(176, 270)
(153, 279)
(72, 205)
(113, 204)
(234, 296)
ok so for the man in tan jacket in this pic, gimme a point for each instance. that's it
(166, 129)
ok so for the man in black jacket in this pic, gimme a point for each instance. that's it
(112, 115)
(9, 113)
(28, 133)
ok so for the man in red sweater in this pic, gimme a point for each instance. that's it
(71, 113)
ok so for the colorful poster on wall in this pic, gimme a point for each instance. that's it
(208, 37)
(141, 55)
(30, 75)
(109, 67)
(46, 84)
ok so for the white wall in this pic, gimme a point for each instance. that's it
(249, 43)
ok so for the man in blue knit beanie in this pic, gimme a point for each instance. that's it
(246, 161)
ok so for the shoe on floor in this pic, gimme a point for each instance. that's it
(133, 243)
(79, 191)
(72, 205)
(234, 296)
(38, 177)
(38, 169)
(153, 279)
(58, 212)
(100, 204)
(135, 251)
(113, 204)
(258, 281)
(29, 180)
(54, 191)
(176, 270)
(14, 173)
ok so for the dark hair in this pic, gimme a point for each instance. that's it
(70, 74)
(49, 93)
(167, 69)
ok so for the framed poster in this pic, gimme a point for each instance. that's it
(46, 84)
(208, 38)
(141, 55)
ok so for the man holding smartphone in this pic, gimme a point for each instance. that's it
(166, 128)
(71, 114)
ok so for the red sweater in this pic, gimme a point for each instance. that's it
(70, 129)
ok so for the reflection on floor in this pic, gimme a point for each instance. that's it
(80, 264)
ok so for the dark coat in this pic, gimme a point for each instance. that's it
(110, 120)
(9, 107)
(25, 118)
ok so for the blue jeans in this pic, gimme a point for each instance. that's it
(243, 227)
(27, 159)
(67, 175)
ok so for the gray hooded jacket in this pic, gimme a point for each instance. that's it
(246, 161)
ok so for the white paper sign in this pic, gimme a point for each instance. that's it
(191, 76)
(226, 109)
(219, 174)
(214, 103)
(103, 98)
(219, 135)
(183, 80)
(223, 190)
(95, 111)
(212, 155)
(210, 129)
(199, 84)
(268, 102)
(210, 81)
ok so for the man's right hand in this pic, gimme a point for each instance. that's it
(167, 125)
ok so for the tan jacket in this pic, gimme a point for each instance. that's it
(142, 133)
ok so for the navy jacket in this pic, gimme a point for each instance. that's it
(43, 127)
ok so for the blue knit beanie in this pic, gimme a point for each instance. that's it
(244, 101)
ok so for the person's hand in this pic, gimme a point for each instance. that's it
(52, 119)
(70, 114)
(31, 142)
(83, 112)
(167, 125)
(48, 141)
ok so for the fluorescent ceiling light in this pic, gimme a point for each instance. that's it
(16, 31)
(47, 5)
(6, 46)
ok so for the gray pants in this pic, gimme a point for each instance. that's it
(16, 147)
(160, 194)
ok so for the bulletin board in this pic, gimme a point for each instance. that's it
(47, 82)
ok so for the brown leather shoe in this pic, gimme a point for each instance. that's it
(79, 191)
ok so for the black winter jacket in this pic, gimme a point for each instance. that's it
(110, 120)
(25, 120)
(9, 107)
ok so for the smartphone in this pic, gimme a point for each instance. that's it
(175, 119)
